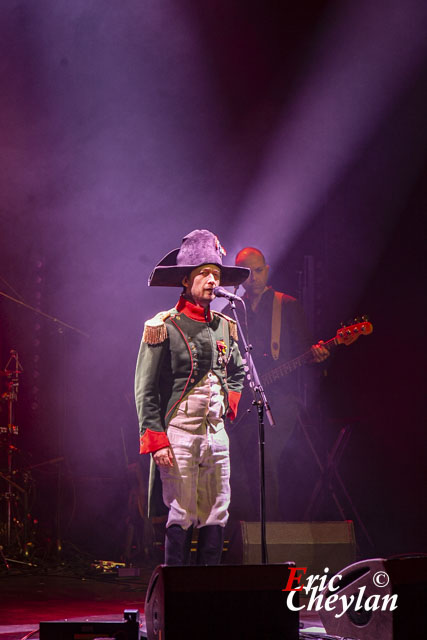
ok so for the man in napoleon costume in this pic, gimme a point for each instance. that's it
(189, 376)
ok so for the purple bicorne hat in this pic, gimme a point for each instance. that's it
(197, 248)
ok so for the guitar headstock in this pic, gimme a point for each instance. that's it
(349, 334)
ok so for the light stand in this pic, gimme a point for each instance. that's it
(329, 473)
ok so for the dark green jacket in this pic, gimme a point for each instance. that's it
(179, 347)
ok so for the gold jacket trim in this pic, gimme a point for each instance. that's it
(155, 330)
(232, 326)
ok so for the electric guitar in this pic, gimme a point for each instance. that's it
(345, 335)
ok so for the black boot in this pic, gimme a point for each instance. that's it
(209, 545)
(178, 545)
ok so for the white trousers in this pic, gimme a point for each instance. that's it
(196, 489)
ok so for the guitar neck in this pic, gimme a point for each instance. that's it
(287, 367)
(346, 335)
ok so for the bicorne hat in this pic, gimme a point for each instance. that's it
(197, 248)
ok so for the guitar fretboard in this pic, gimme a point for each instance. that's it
(287, 367)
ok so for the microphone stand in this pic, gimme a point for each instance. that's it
(261, 403)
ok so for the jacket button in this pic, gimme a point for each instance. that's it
(192, 380)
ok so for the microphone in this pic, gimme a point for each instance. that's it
(223, 293)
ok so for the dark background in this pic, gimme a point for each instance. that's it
(297, 129)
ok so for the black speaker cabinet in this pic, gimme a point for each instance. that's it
(404, 577)
(221, 602)
(314, 545)
(127, 629)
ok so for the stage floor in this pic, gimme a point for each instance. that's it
(26, 600)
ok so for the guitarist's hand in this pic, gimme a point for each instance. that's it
(319, 352)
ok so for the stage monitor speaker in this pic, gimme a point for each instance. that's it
(226, 602)
(372, 583)
(315, 545)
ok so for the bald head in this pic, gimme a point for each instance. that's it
(247, 252)
(257, 281)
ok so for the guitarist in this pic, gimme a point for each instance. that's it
(278, 333)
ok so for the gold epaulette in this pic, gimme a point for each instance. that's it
(232, 326)
(155, 330)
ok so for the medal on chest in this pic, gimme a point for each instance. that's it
(222, 353)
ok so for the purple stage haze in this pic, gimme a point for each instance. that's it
(125, 125)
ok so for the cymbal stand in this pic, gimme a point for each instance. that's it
(11, 396)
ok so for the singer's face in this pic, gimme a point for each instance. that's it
(257, 280)
(199, 285)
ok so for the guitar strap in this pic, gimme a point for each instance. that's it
(276, 323)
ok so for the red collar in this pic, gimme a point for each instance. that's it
(193, 311)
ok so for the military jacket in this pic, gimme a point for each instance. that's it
(178, 348)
